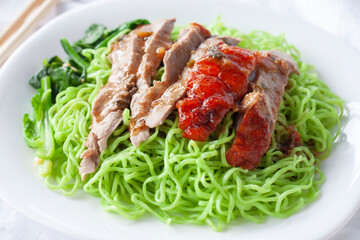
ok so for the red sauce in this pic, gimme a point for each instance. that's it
(217, 83)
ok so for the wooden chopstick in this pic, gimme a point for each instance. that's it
(5, 34)
(28, 26)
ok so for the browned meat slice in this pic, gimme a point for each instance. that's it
(260, 108)
(115, 96)
(175, 60)
(217, 83)
(155, 48)
(162, 107)
(179, 54)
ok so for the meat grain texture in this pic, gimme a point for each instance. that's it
(260, 108)
(205, 77)
(155, 48)
(174, 61)
(114, 97)
(162, 107)
(134, 61)
(218, 82)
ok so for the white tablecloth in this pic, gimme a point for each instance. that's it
(339, 17)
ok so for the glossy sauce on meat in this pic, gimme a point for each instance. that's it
(259, 109)
(163, 106)
(217, 83)
(174, 61)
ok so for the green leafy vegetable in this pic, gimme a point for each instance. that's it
(31, 135)
(94, 34)
(49, 65)
(38, 132)
(57, 75)
(98, 35)
(62, 75)
(72, 72)
(73, 55)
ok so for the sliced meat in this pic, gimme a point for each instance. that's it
(175, 60)
(180, 52)
(217, 83)
(155, 48)
(260, 108)
(162, 107)
(115, 96)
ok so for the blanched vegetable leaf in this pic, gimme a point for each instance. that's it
(98, 35)
(47, 149)
(55, 76)
(30, 134)
(62, 75)
(93, 34)
(49, 65)
(72, 72)
(38, 132)
(73, 55)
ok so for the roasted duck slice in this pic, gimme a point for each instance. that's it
(162, 107)
(259, 108)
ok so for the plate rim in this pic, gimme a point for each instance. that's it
(31, 213)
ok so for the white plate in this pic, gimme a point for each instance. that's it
(82, 216)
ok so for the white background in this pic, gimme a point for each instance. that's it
(338, 17)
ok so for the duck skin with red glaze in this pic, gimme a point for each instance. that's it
(217, 83)
(163, 106)
(259, 108)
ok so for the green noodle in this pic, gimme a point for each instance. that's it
(183, 181)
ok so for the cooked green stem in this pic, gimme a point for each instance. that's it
(73, 54)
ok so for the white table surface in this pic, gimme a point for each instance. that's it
(338, 17)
